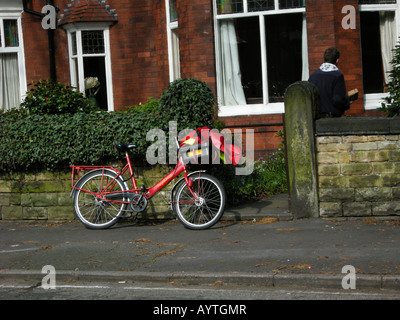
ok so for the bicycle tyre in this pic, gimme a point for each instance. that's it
(95, 213)
(207, 210)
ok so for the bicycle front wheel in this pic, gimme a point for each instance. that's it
(206, 209)
(92, 210)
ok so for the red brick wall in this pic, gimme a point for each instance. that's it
(138, 43)
(139, 51)
(320, 30)
(37, 48)
(196, 40)
(265, 131)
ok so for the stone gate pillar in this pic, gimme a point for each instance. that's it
(302, 107)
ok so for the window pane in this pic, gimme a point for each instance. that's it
(95, 67)
(175, 54)
(11, 33)
(284, 52)
(289, 4)
(377, 42)
(240, 61)
(92, 42)
(376, 1)
(173, 14)
(229, 6)
(74, 47)
(9, 84)
(75, 73)
(261, 5)
(371, 53)
(249, 47)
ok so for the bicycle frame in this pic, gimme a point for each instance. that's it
(107, 192)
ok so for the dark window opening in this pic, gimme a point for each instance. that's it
(373, 79)
(284, 53)
(248, 33)
(95, 67)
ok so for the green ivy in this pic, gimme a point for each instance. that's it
(53, 142)
(190, 102)
(52, 137)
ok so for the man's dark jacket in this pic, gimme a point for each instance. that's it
(332, 90)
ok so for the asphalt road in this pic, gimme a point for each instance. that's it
(230, 261)
(23, 290)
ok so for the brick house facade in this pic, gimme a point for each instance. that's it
(137, 47)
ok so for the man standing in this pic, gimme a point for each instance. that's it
(330, 83)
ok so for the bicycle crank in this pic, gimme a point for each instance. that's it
(138, 203)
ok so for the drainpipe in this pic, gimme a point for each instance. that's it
(50, 39)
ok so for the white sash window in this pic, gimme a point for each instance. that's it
(261, 48)
(379, 34)
(12, 60)
(173, 40)
(89, 56)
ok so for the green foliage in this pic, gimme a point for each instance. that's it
(52, 130)
(392, 103)
(31, 142)
(267, 178)
(190, 102)
(150, 106)
(50, 97)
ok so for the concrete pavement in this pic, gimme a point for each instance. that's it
(256, 244)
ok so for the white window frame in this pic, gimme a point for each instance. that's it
(16, 15)
(80, 84)
(171, 27)
(373, 101)
(250, 109)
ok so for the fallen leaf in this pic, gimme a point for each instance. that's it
(46, 247)
(287, 229)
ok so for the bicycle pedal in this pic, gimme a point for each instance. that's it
(127, 215)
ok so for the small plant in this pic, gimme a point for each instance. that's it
(190, 102)
(149, 107)
(51, 97)
(392, 102)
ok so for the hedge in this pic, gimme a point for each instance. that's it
(33, 140)
(52, 142)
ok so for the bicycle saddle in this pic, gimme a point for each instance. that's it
(125, 146)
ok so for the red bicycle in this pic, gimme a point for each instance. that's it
(101, 197)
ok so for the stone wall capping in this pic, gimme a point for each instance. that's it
(357, 126)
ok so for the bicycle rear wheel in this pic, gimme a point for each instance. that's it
(204, 212)
(95, 212)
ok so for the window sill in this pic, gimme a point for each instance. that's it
(373, 101)
(251, 109)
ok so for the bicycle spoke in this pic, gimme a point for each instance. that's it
(208, 206)
(90, 206)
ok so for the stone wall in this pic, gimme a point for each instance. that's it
(339, 167)
(358, 167)
(46, 195)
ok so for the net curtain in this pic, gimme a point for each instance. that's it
(9, 81)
